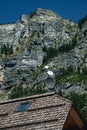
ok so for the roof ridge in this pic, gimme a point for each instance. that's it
(28, 97)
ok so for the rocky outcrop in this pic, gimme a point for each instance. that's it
(28, 36)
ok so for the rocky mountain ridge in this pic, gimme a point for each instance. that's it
(22, 44)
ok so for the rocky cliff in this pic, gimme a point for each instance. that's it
(22, 51)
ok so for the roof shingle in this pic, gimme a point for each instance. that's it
(46, 112)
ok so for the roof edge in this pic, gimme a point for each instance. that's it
(28, 97)
(64, 98)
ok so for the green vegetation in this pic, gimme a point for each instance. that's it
(65, 48)
(32, 14)
(85, 33)
(80, 102)
(3, 95)
(6, 49)
(21, 91)
(72, 76)
(82, 21)
(50, 53)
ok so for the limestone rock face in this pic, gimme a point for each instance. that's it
(7, 33)
(28, 36)
(44, 22)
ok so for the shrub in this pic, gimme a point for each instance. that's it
(21, 91)
(80, 102)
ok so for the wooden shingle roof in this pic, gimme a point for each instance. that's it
(46, 112)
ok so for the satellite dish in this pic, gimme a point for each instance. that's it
(49, 82)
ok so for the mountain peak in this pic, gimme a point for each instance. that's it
(22, 47)
(41, 12)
